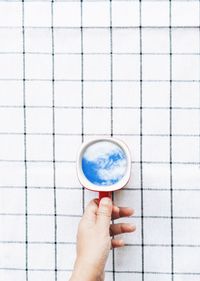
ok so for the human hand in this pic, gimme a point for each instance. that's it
(94, 238)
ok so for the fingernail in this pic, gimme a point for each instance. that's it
(121, 242)
(132, 227)
(106, 201)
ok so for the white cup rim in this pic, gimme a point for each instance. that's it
(89, 185)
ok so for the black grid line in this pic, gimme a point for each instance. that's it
(102, 80)
(54, 142)
(96, 134)
(79, 216)
(111, 115)
(107, 27)
(99, 107)
(25, 144)
(98, 0)
(141, 146)
(130, 188)
(127, 244)
(170, 154)
(195, 163)
(103, 53)
(82, 95)
(109, 271)
(117, 134)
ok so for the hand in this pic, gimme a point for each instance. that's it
(94, 238)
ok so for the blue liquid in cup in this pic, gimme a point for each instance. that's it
(104, 163)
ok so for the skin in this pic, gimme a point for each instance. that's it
(95, 238)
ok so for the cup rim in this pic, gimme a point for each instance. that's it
(89, 185)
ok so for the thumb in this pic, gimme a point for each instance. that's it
(104, 212)
(91, 211)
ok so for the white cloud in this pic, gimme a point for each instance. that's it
(109, 169)
(101, 150)
(114, 172)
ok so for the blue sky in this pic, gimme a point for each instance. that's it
(104, 163)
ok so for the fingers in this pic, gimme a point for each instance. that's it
(117, 243)
(120, 228)
(119, 212)
(104, 213)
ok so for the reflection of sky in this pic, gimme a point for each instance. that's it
(104, 163)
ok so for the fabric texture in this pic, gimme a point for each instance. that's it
(71, 71)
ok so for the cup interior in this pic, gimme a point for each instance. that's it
(104, 164)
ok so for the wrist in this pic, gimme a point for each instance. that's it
(83, 270)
